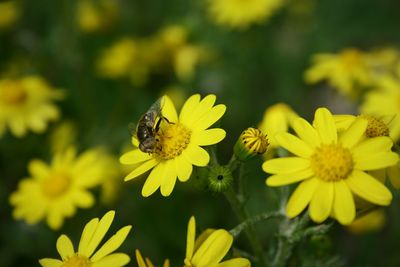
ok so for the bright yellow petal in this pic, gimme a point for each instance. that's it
(38, 169)
(343, 203)
(168, 109)
(115, 260)
(325, 125)
(375, 161)
(196, 155)
(294, 144)
(368, 188)
(237, 262)
(144, 167)
(139, 259)
(82, 198)
(50, 262)
(306, 132)
(134, 156)
(289, 178)
(301, 197)
(188, 108)
(285, 165)
(208, 119)
(344, 121)
(190, 238)
(154, 180)
(394, 175)
(168, 179)
(321, 202)
(372, 146)
(87, 234)
(65, 247)
(208, 137)
(354, 133)
(203, 107)
(183, 168)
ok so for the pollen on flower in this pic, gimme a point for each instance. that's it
(376, 127)
(13, 94)
(172, 140)
(332, 162)
(55, 185)
(77, 261)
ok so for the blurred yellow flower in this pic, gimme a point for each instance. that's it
(9, 13)
(370, 222)
(54, 191)
(93, 16)
(179, 144)
(26, 103)
(240, 14)
(92, 235)
(345, 71)
(210, 248)
(331, 168)
(147, 262)
(382, 62)
(277, 118)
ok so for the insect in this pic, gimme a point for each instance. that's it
(148, 126)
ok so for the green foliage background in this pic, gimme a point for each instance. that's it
(252, 69)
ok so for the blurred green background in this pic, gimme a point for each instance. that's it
(248, 70)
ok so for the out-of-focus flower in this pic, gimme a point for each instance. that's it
(345, 71)
(9, 13)
(382, 63)
(92, 235)
(277, 118)
(94, 16)
(147, 262)
(63, 136)
(53, 192)
(210, 248)
(241, 14)
(331, 168)
(27, 103)
(370, 222)
(179, 144)
(250, 143)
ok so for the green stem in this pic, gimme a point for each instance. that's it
(258, 218)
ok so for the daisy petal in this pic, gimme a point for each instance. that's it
(139, 259)
(354, 133)
(343, 204)
(144, 167)
(321, 202)
(188, 108)
(208, 137)
(50, 262)
(343, 121)
(134, 156)
(38, 168)
(289, 178)
(204, 107)
(294, 144)
(154, 180)
(115, 260)
(196, 155)
(183, 168)
(301, 197)
(306, 132)
(285, 165)
(168, 179)
(190, 238)
(65, 247)
(211, 117)
(325, 125)
(372, 146)
(87, 234)
(367, 187)
(375, 161)
(237, 262)
(168, 109)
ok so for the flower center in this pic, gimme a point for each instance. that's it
(332, 162)
(56, 185)
(77, 261)
(376, 127)
(172, 140)
(13, 93)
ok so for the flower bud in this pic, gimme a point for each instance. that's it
(219, 178)
(251, 142)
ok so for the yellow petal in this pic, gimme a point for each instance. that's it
(55, 219)
(38, 169)
(344, 121)
(237, 262)
(209, 118)
(183, 168)
(285, 165)
(196, 155)
(343, 203)
(87, 235)
(168, 179)
(375, 161)
(289, 178)
(190, 238)
(321, 202)
(368, 188)
(294, 144)
(306, 132)
(394, 175)
(144, 167)
(168, 109)
(301, 197)
(134, 156)
(203, 107)
(188, 108)
(208, 137)
(139, 259)
(154, 180)
(82, 198)
(354, 133)
(372, 146)
(50, 262)
(325, 125)
(115, 260)
(65, 247)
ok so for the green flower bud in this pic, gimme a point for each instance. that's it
(251, 142)
(219, 178)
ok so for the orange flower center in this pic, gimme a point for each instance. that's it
(56, 185)
(332, 162)
(77, 261)
(13, 93)
(172, 140)
(376, 127)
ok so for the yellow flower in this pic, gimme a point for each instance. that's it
(370, 222)
(9, 13)
(210, 248)
(382, 62)
(92, 235)
(186, 59)
(26, 103)
(179, 144)
(54, 191)
(146, 262)
(95, 16)
(331, 168)
(240, 14)
(250, 143)
(384, 103)
(344, 71)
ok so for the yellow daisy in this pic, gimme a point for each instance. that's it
(330, 167)
(241, 14)
(96, 15)
(179, 144)
(26, 103)
(92, 235)
(147, 262)
(344, 71)
(210, 248)
(54, 191)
